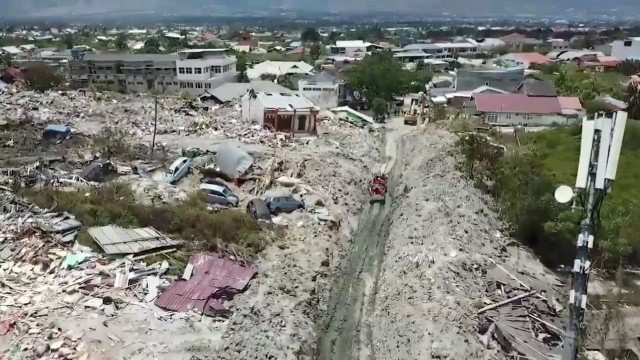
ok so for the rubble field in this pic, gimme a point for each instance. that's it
(432, 274)
(62, 300)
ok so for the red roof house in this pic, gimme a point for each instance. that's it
(519, 109)
(529, 58)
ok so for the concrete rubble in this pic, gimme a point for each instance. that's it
(43, 278)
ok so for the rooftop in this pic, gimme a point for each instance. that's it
(517, 103)
(130, 57)
(284, 101)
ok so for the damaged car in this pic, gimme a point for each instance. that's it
(179, 169)
(219, 195)
(285, 203)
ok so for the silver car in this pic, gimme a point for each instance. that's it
(219, 195)
(179, 169)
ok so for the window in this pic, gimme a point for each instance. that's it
(207, 86)
(628, 43)
(302, 122)
(175, 83)
(181, 70)
(181, 85)
(198, 70)
(206, 70)
(189, 70)
(216, 69)
(492, 117)
(198, 85)
(508, 116)
(190, 85)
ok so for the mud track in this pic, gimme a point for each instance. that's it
(347, 332)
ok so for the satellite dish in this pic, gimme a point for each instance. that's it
(563, 194)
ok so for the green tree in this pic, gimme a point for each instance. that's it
(314, 52)
(379, 108)
(6, 60)
(633, 100)
(333, 37)
(241, 67)
(629, 67)
(152, 46)
(380, 76)
(42, 78)
(68, 41)
(310, 35)
(121, 42)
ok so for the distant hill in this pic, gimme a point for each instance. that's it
(229, 7)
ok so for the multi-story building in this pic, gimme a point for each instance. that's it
(126, 72)
(191, 71)
(202, 69)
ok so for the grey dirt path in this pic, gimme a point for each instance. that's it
(347, 332)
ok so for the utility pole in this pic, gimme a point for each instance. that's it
(599, 154)
(155, 126)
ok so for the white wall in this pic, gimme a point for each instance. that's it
(531, 120)
(622, 52)
(322, 95)
(252, 110)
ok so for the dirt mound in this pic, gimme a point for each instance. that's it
(441, 237)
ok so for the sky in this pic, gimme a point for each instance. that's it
(224, 7)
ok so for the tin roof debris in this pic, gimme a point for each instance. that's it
(213, 280)
(116, 240)
(233, 161)
(523, 315)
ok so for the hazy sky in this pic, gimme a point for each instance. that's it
(427, 7)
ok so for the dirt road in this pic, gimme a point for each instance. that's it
(347, 332)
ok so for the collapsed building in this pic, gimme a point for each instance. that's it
(190, 71)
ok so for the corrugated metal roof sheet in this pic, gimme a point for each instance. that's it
(214, 279)
(116, 240)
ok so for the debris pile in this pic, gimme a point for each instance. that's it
(522, 314)
(45, 275)
(135, 114)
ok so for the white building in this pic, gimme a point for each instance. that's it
(284, 112)
(626, 49)
(279, 68)
(202, 69)
(356, 49)
(448, 50)
(324, 94)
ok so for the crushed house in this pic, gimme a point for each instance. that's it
(283, 112)
(191, 71)
(128, 72)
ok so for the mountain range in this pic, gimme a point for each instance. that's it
(567, 8)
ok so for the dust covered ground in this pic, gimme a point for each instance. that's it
(442, 235)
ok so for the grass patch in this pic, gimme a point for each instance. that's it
(524, 181)
(228, 230)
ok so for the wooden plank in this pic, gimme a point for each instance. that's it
(508, 301)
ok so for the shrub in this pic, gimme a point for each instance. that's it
(228, 230)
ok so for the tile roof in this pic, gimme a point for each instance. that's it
(517, 103)
(569, 102)
(531, 58)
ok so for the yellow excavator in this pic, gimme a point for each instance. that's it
(416, 110)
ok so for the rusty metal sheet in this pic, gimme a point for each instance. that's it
(215, 278)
